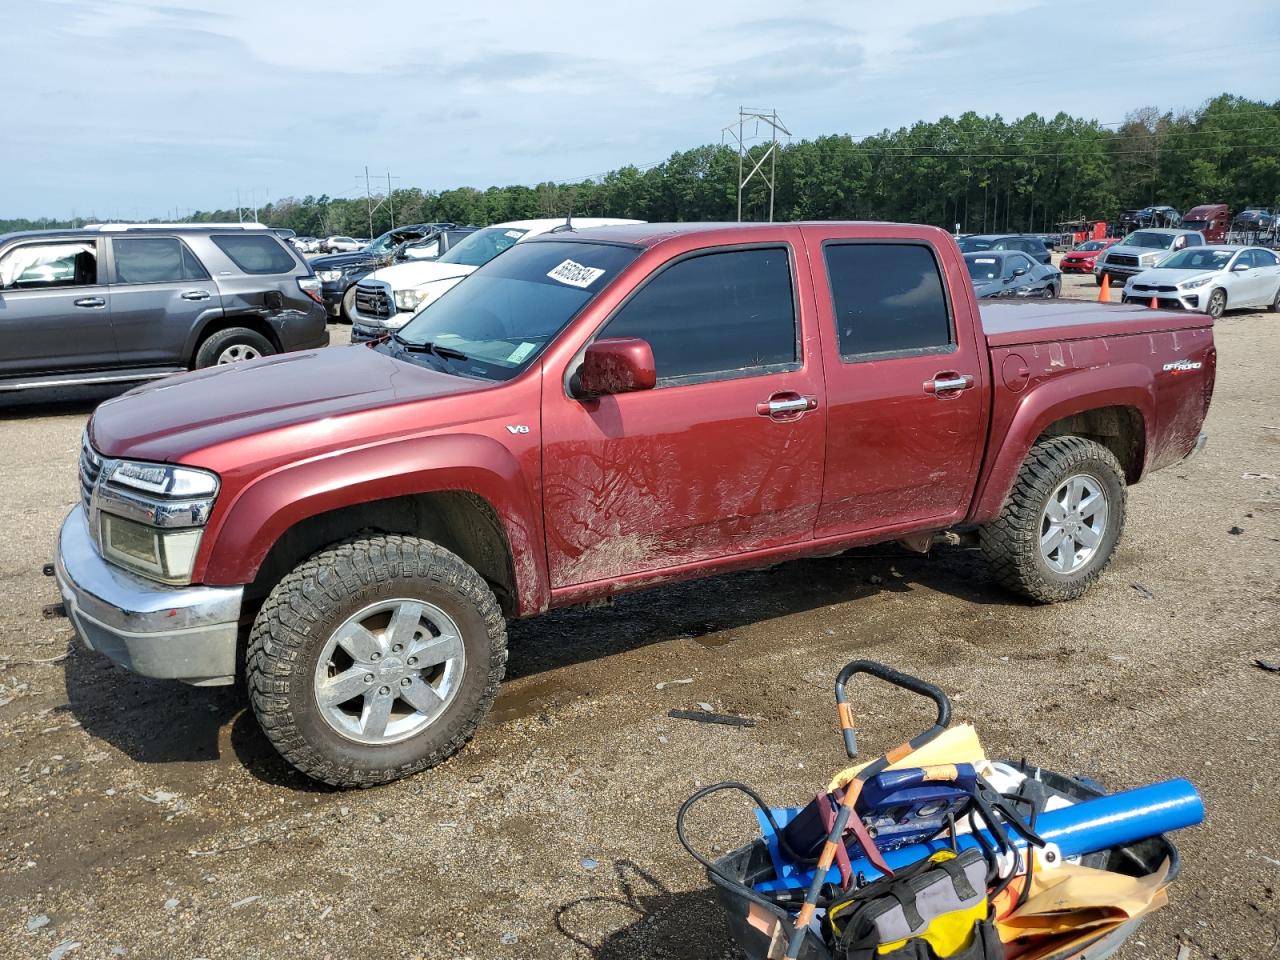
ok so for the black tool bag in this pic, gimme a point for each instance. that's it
(936, 909)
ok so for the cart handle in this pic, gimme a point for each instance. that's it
(898, 679)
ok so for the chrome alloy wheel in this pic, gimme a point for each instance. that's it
(1073, 524)
(238, 351)
(389, 671)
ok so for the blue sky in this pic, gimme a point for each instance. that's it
(143, 109)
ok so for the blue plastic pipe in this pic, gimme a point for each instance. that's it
(1086, 827)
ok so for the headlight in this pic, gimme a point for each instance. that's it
(1149, 258)
(329, 276)
(1192, 284)
(153, 516)
(166, 555)
(164, 480)
(409, 299)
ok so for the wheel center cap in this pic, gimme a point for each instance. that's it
(391, 666)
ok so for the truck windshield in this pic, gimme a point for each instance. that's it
(482, 246)
(1198, 258)
(500, 319)
(1149, 239)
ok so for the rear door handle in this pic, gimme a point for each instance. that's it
(949, 384)
(90, 302)
(786, 406)
(195, 294)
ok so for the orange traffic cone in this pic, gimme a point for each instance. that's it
(1104, 292)
(1155, 304)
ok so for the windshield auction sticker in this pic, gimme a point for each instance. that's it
(575, 274)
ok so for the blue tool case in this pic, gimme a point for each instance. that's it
(753, 865)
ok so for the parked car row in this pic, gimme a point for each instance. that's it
(340, 272)
(385, 300)
(1210, 280)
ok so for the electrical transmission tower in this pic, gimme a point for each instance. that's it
(370, 196)
(737, 133)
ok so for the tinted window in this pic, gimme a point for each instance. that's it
(67, 263)
(154, 260)
(886, 298)
(719, 313)
(1265, 258)
(1017, 261)
(256, 254)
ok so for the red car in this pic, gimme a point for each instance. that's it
(594, 412)
(1082, 257)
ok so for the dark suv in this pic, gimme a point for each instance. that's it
(1034, 247)
(118, 303)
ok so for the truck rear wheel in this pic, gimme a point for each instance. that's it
(1061, 523)
(375, 659)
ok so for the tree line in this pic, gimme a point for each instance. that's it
(983, 173)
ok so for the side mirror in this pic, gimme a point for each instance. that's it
(1240, 267)
(615, 365)
(1019, 272)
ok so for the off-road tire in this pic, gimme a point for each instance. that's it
(348, 305)
(1012, 542)
(208, 352)
(302, 612)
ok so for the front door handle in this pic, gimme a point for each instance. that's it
(949, 384)
(195, 294)
(786, 406)
(91, 302)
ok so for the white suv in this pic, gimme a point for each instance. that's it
(386, 299)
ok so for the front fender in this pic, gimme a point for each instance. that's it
(242, 531)
(1071, 392)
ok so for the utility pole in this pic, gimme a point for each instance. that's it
(390, 203)
(759, 115)
(368, 198)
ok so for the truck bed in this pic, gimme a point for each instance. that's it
(1007, 323)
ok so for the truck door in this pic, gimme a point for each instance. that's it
(54, 311)
(905, 404)
(724, 456)
(159, 293)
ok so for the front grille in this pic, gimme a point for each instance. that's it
(90, 469)
(373, 302)
(1122, 260)
(1153, 288)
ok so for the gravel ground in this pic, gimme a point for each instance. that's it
(154, 818)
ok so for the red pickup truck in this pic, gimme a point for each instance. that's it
(594, 412)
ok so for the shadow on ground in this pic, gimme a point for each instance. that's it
(647, 921)
(157, 721)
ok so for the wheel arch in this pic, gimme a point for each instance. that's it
(466, 492)
(216, 324)
(1114, 405)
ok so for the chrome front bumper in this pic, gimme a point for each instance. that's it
(177, 633)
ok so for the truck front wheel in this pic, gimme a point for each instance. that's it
(1059, 527)
(375, 659)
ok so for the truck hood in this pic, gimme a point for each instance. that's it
(345, 261)
(170, 419)
(415, 273)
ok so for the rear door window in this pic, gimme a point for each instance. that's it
(716, 316)
(63, 263)
(888, 299)
(256, 253)
(154, 260)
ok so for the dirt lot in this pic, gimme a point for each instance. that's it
(154, 818)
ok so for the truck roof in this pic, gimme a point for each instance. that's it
(1044, 321)
(649, 234)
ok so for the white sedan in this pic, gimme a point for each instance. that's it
(1210, 280)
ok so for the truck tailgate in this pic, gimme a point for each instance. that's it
(1042, 321)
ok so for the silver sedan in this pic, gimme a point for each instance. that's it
(1210, 280)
